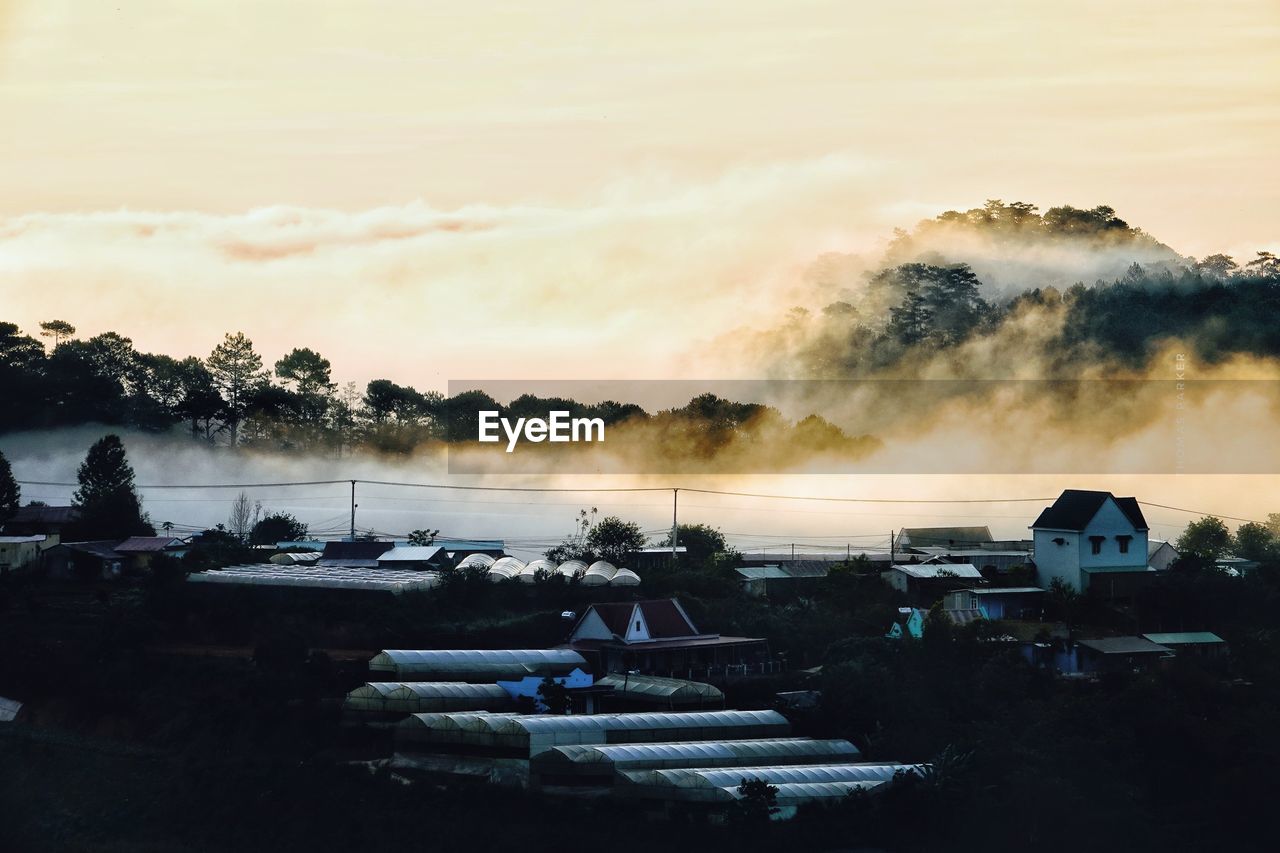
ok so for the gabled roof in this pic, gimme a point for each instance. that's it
(946, 536)
(37, 514)
(1075, 508)
(147, 544)
(103, 548)
(665, 618)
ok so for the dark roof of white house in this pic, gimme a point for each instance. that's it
(1075, 508)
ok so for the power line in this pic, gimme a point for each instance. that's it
(620, 490)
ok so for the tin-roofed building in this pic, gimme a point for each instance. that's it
(1120, 654)
(415, 557)
(1201, 644)
(942, 537)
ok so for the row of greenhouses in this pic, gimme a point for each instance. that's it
(475, 665)
(599, 573)
(525, 736)
(395, 581)
(601, 765)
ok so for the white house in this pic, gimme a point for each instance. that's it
(1160, 555)
(1091, 540)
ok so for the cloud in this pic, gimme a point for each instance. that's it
(619, 285)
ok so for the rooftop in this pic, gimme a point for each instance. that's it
(1125, 646)
(936, 570)
(1185, 638)
(1075, 508)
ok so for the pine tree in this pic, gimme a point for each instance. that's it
(237, 372)
(108, 502)
(10, 494)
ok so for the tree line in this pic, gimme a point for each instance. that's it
(232, 398)
(923, 304)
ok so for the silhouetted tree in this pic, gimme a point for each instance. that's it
(237, 373)
(56, 329)
(107, 500)
(277, 527)
(10, 494)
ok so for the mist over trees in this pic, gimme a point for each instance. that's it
(930, 309)
(982, 278)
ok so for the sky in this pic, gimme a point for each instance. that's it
(432, 191)
(449, 191)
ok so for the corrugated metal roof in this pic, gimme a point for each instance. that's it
(147, 544)
(1008, 590)
(1185, 638)
(1125, 646)
(413, 554)
(935, 570)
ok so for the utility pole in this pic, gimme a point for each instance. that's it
(675, 524)
(353, 510)
(793, 552)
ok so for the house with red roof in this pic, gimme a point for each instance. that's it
(657, 637)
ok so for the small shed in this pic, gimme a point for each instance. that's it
(1121, 654)
(1202, 644)
(417, 557)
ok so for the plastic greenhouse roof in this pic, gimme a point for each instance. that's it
(764, 751)
(427, 689)
(775, 775)
(661, 688)
(321, 577)
(538, 723)
(497, 662)
(798, 792)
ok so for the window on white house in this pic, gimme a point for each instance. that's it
(637, 624)
(1095, 543)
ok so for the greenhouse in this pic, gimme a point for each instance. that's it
(599, 573)
(293, 558)
(487, 665)
(525, 736)
(505, 568)
(530, 572)
(572, 568)
(599, 765)
(698, 783)
(320, 577)
(477, 561)
(625, 577)
(653, 691)
(390, 699)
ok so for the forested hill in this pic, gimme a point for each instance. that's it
(926, 311)
(930, 306)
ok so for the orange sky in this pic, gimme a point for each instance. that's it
(433, 191)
